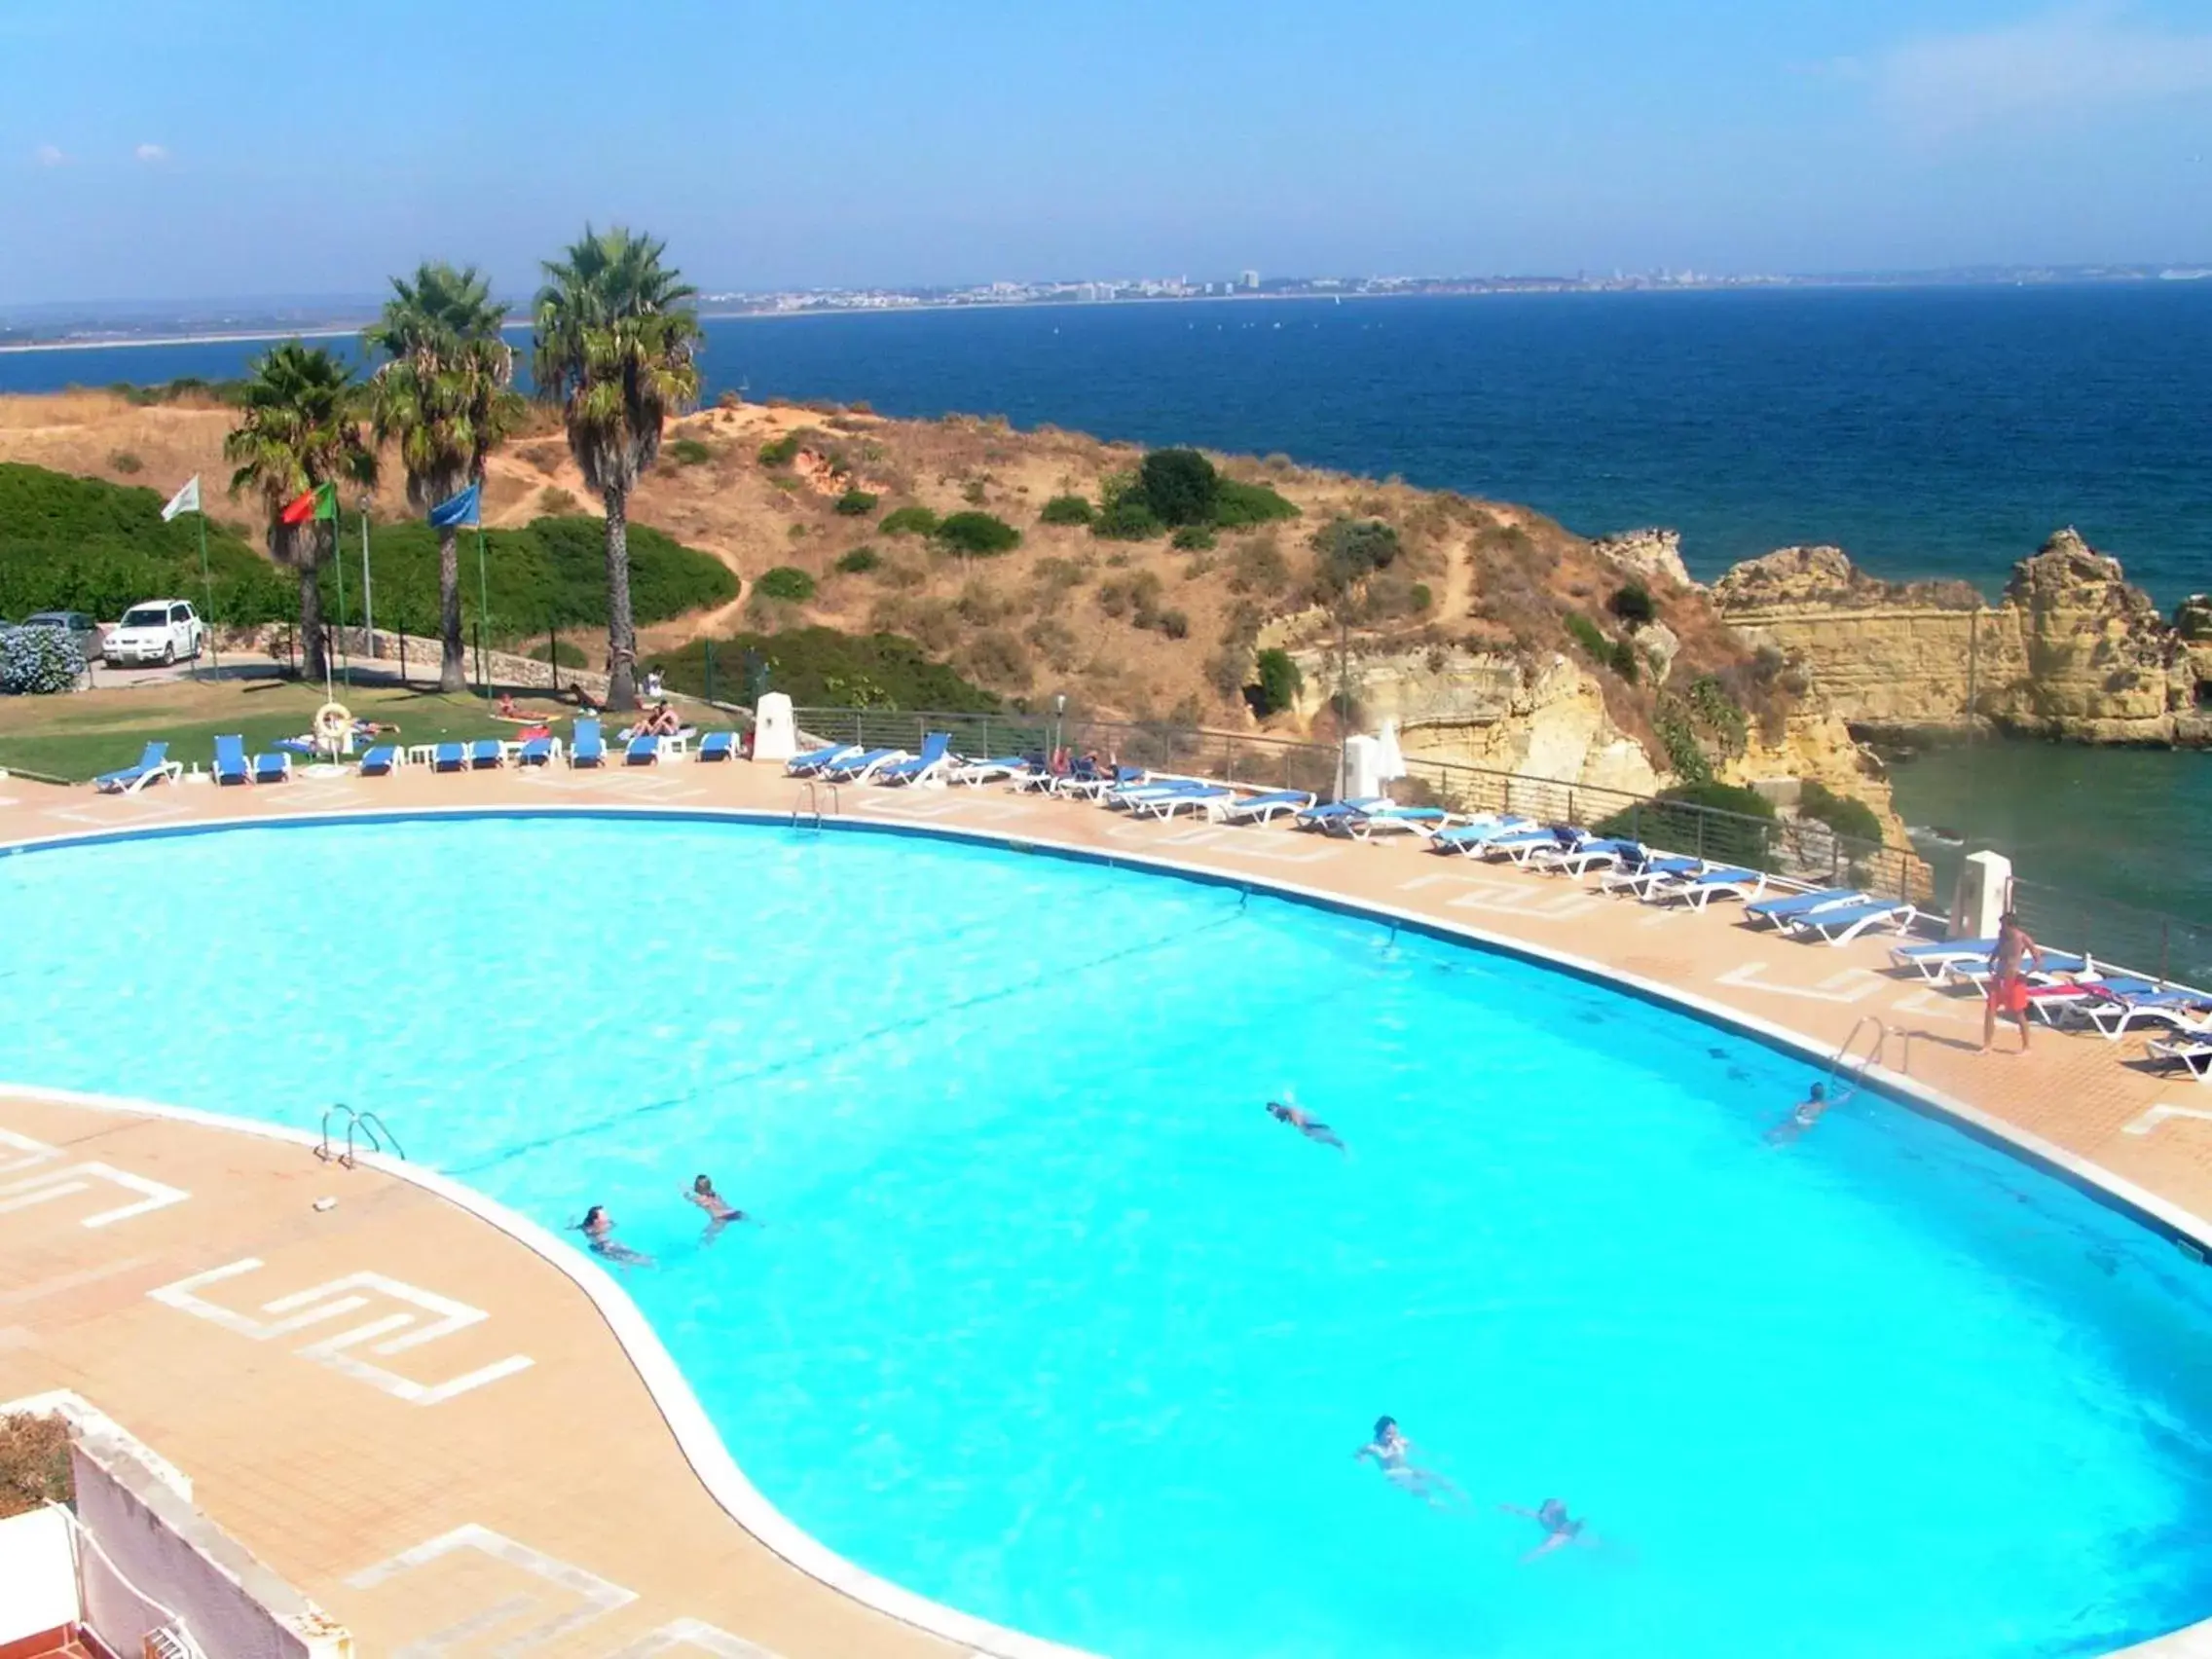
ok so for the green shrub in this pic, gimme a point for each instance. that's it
(1624, 659)
(1632, 603)
(1067, 509)
(127, 464)
(822, 667)
(1237, 505)
(857, 504)
(1192, 537)
(566, 653)
(1590, 637)
(1277, 682)
(690, 452)
(860, 561)
(1174, 624)
(909, 521)
(1259, 566)
(1419, 598)
(1724, 823)
(1852, 819)
(784, 583)
(1179, 485)
(782, 452)
(979, 534)
(37, 663)
(1719, 714)
(1128, 519)
(1350, 550)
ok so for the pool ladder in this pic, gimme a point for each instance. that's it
(806, 808)
(359, 1127)
(1877, 1054)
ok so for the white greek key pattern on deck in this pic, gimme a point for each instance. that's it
(18, 1153)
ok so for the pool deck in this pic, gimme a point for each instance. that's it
(515, 1471)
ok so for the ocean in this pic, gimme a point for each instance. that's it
(1930, 432)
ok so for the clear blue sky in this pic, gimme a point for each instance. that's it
(187, 148)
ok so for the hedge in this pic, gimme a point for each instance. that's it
(822, 667)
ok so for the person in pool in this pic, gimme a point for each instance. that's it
(719, 1211)
(1807, 1114)
(598, 1229)
(1393, 1453)
(1560, 1528)
(1284, 1112)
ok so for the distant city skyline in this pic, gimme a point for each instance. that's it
(161, 150)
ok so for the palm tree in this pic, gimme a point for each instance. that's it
(297, 432)
(617, 347)
(446, 394)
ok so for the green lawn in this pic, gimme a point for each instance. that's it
(79, 736)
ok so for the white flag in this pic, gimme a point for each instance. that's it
(185, 501)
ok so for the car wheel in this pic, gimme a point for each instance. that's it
(168, 654)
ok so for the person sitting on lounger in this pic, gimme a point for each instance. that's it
(1285, 1113)
(1393, 1453)
(586, 703)
(2007, 984)
(598, 1229)
(1561, 1529)
(1807, 1114)
(719, 1211)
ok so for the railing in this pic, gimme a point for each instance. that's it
(2146, 943)
(125, 1618)
(1802, 849)
(366, 1125)
(806, 805)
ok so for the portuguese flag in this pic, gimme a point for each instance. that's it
(319, 502)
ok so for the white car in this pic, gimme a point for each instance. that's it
(156, 630)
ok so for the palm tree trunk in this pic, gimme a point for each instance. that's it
(307, 554)
(621, 632)
(453, 668)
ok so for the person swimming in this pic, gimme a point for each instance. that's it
(1560, 1528)
(1393, 1453)
(719, 1211)
(1284, 1112)
(598, 1229)
(1807, 1114)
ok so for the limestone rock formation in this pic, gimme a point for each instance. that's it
(2072, 651)
(1655, 555)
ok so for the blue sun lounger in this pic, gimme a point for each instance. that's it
(450, 758)
(1845, 923)
(380, 762)
(1698, 891)
(1637, 877)
(273, 769)
(934, 757)
(154, 765)
(1779, 912)
(857, 768)
(1931, 959)
(534, 751)
(1599, 852)
(717, 745)
(974, 772)
(644, 750)
(1469, 840)
(1206, 800)
(231, 766)
(807, 764)
(1361, 825)
(486, 753)
(1329, 811)
(589, 748)
(1265, 808)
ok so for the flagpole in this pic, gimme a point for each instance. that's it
(337, 558)
(483, 606)
(208, 589)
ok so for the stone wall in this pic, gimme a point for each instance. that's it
(2072, 651)
(423, 655)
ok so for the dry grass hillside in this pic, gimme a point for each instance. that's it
(1141, 629)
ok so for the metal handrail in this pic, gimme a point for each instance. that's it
(1873, 1054)
(358, 1125)
(810, 794)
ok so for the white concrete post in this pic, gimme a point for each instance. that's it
(1985, 884)
(775, 732)
(1363, 766)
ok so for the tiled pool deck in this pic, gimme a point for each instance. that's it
(447, 1494)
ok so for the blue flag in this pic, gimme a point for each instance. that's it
(458, 513)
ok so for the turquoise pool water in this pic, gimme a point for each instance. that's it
(1050, 1322)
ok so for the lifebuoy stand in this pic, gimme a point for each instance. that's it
(775, 730)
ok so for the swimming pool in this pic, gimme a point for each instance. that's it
(1050, 1322)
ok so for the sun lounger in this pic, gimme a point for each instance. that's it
(1977, 971)
(1470, 839)
(2059, 1002)
(230, 764)
(1121, 796)
(1329, 811)
(589, 748)
(1412, 820)
(272, 768)
(1931, 957)
(719, 745)
(1845, 923)
(154, 766)
(1637, 877)
(1780, 912)
(300, 747)
(929, 766)
(486, 753)
(1266, 808)
(977, 772)
(1521, 846)
(534, 751)
(2192, 1053)
(450, 758)
(644, 750)
(1698, 891)
(2187, 1011)
(1207, 800)
(1579, 860)
(859, 767)
(381, 761)
(1096, 785)
(809, 764)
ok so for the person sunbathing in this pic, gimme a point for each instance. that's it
(598, 1229)
(720, 1213)
(1284, 1113)
(509, 710)
(1561, 1529)
(1393, 1453)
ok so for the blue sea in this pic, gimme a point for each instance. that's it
(1941, 431)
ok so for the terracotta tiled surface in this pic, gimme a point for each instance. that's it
(325, 1475)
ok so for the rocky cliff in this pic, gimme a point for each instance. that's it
(2072, 651)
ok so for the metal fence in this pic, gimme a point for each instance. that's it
(2146, 943)
(1800, 849)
